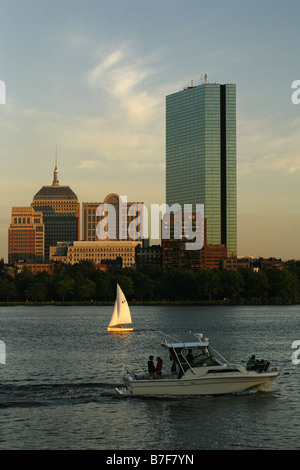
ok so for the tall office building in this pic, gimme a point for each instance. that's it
(201, 156)
(61, 213)
(26, 235)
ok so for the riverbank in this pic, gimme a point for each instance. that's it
(167, 303)
(83, 284)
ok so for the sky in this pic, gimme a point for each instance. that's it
(90, 78)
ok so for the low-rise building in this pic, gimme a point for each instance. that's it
(176, 255)
(99, 252)
(147, 254)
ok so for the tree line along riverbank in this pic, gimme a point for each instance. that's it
(83, 283)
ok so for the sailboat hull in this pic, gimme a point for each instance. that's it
(115, 329)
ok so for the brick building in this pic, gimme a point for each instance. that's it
(26, 235)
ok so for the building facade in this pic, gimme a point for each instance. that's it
(175, 254)
(99, 252)
(26, 235)
(61, 213)
(148, 255)
(201, 157)
(126, 223)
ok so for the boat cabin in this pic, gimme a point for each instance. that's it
(191, 355)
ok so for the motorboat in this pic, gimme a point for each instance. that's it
(198, 369)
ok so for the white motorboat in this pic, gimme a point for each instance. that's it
(121, 317)
(200, 370)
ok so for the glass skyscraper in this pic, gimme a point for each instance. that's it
(201, 156)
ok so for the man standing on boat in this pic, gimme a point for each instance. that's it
(251, 364)
(151, 367)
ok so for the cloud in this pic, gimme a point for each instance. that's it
(90, 164)
(94, 76)
(123, 76)
(268, 145)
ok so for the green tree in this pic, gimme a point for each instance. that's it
(284, 283)
(8, 289)
(125, 282)
(85, 289)
(103, 288)
(232, 284)
(146, 288)
(256, 284)
(23, 281)
(65, 287)
(36, 292)
(184, 285)
(208, 284)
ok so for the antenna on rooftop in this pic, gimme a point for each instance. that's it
(205, 78)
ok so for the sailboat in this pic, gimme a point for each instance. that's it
(121, 314)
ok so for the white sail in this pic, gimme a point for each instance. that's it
(121, 313)
(123, 308)
(115, 317)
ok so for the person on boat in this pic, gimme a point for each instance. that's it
(159, 368)
(251, 364)
(190, 358)
(151, 367)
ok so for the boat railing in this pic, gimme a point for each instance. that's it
(180, 363)
(218, 354)
(163, 376)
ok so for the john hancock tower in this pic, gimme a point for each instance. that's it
(201, 156)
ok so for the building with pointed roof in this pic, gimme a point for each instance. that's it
(61, 213)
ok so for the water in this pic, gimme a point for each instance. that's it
(57, 388)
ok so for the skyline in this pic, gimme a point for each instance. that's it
(93, 80)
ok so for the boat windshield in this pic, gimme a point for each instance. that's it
(191, 357)
(199, 357)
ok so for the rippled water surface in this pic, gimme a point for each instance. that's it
(57, 388)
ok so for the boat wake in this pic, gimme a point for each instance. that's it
(55, 394)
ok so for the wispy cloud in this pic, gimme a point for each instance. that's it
(94, 76)
(123, 75)
(268, 145)
(90, 164)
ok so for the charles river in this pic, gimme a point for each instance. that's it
(57, 387)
